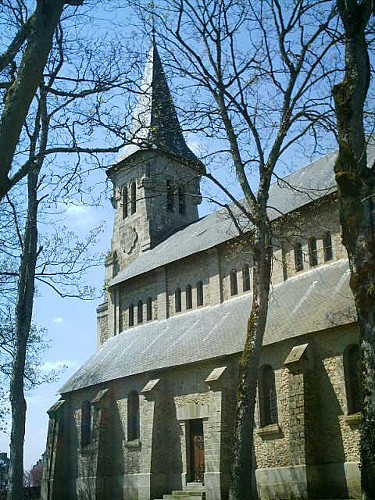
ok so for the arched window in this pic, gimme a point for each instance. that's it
(298, 257)
(133, 416)
(246, 278)
(189, 297)
(233, 282)
(125, 201)
(267, 396)
(133, 197)
(351, 369)
(149, 309)
(115, 265)
(181, 200)
(199, 293)
(313, 252)
(327, 247)
(177, 300)
(85, 423)
(140, 311)
(170, 197)
(131, 314)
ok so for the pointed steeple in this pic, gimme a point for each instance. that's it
(155, 124)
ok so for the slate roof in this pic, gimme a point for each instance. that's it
(298, 306)
(155, 124)
(290, 193)
(295, 190)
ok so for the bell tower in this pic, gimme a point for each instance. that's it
(156, 178)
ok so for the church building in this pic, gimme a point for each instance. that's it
(151, 414)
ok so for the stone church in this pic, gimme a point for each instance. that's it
(152, 411)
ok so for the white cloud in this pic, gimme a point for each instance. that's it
(58, 320)
(79, 215)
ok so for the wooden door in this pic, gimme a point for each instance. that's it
(196, 451)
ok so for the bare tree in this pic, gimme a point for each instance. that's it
(260, 76)
(71, 101)
(36, 34)
(356, 186)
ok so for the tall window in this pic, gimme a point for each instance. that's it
(170, 197)
(189, 297)
(125, 201)
(351, 369)
(313, 252)
(131, 314)
(284, 263)
(233, 282)
(140, 311)
(267, 396)
(133, 196)
(115, 265)
(298, 257)
(85, 423)
(327, 247)
(177, 300)
(246, 278)
(149, 309)
(181, 200)
(133, 416)
(199, 293)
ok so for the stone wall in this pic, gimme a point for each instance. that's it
(311, 452)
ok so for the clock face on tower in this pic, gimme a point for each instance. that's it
(128, 239)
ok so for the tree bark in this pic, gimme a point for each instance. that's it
(356, 186)
(241, 486)
(42, 26)
(24, 309)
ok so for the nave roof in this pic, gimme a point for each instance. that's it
(308, 302)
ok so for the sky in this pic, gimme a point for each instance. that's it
(71, 323)
(71, 328)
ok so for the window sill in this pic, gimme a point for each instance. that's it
(270, 431)
(135, 444)
(353, 419)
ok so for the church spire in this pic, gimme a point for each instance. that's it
(155, 124)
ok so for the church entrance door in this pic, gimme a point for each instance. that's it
(196, 451)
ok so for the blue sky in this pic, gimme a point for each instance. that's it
(71, 327)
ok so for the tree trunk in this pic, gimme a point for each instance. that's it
(24, 309)
(22, 91)
(242, 466)
(356, 186)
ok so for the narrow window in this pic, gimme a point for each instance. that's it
(133, 196)
(351, 369)
(298, 257)
(246, 278)
(233, 282)
(189, 298)
(284, 264)
(170, 198)
(199, 293)
(267, 396)
(177, 300)
(149, 309)
(140, 311)
(131, 315)
(115, 265)
(125, 202)
(133, 416)
(313, 252)
(181, 200)
(327, 247)
(85, 423)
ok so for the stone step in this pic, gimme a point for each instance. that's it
(187, 492)
(194, 487)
